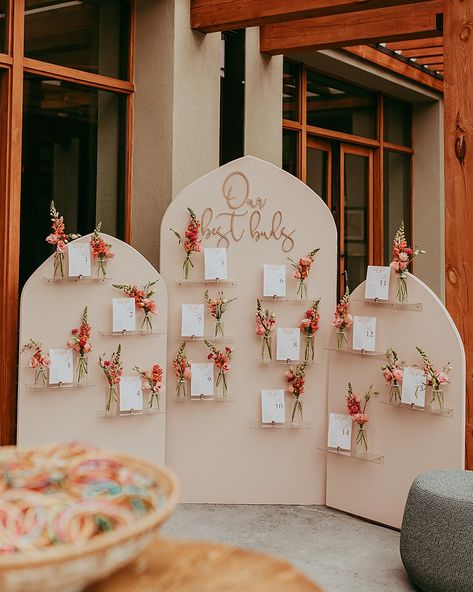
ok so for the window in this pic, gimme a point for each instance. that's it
(73, 153)
(90, 35)
(334, 146)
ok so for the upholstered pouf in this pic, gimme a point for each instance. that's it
(437, 531)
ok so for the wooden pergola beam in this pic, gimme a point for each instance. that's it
(429, 61)
(415, 43)
(425, 52)
(382, 24)
(458, 41)
(208, 16)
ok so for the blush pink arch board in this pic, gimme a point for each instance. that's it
(48, 312)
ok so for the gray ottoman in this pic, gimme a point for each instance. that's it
(437, 532)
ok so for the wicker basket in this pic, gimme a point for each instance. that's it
(71, 567)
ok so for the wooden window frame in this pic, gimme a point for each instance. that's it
(13, 67)
(378, 146)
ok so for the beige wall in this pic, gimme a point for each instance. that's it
(429, 206)
(263, 102)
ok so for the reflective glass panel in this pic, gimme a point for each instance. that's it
(289, 151)
(73, 153)
(91, 35)
(340, 107)
(397, 122)
(290, 91)
(317, 171)
(3, 25)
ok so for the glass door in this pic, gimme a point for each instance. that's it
(356, 214)
(319, 168)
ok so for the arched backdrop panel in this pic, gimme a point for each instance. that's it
(48, 313)
(411, 441)
(217, 454)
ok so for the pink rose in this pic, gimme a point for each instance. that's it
(306, 322)
(288, 375)
(45, 361)
(360, 418)
(296, 275)
(305, 261)
(187, 373)
(33, 363)
(227, 367)
(60, 246)
(403, 256)
(398, 374)
(387, 375)
(395, 265)
(259, 329)
(402, 266)
(87, 348)
(348, 320)
(291, 389)
(337, 321)
(442, 377)
(52, 239)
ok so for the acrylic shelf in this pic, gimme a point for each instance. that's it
(226, 283)
(130, 333)
(356, 352)
(289, 299)
(413, 306)
(203, 398)
(365, 456)
(83, 279)
(55, 387)
(281, 426)
(284, 362)
(191, 339)
(444, 412)
(102, 414)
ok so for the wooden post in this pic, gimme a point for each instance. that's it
(458, 45)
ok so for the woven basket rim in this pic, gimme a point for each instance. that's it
(72, 551)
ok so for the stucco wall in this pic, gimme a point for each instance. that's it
(263, 102)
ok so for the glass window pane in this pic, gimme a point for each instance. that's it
(3, 26)
(92, 35)
(356, 217)
(73, 152)
(289, 151)
(290, 91)
(397, 197)
(317, 171)
(397, 122)
(340, 107)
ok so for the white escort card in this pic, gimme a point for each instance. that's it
(61, 369)
(192, 320)
(288, 343)
(215, 262)
(202, 380)
(79, 259)
(377, 282)
(339, 431)
(364, 333)
(413, 386)
(273, 407)
(274, 280)
(131, 393)
(124, 314)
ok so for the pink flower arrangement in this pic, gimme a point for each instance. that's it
(191, 241)
(182, 370)
(221, 360)
(342, 319)
(81, 344)
(265, 323)
(309, 326)
(153, 382)
(101, 250)
(113, 371)
(393, 374)
(356, 407)
(435, 378)
(403, 256)
(217, 307)
(38, 361)
(302, 270)
(295, 376)
(143, 301)
(59, 238)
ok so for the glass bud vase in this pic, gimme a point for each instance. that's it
(361, 440)
(297, 414)
(40, 376)
(437, 401)
(309, 353)
(219, 328)
(111, 402)
(342, 341)
(82, 369)
(181, 388)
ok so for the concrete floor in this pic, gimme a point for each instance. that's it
(339, 552)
